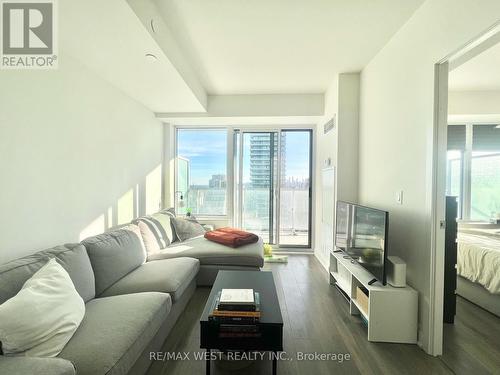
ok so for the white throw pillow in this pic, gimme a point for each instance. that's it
(40, 319)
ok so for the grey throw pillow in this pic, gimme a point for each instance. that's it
(187, 228)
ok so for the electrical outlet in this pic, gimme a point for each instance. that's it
(399, 197)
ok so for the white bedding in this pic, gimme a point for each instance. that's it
(478, 258)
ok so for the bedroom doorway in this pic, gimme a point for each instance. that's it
(466, 201)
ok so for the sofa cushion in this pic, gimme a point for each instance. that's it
(156, 231)
(115, 254)
(38, 366)
(186, 229)
(169, 211)
(171, 276)
(73, 258)
(212, 253)
(40, 319)
(115, 331)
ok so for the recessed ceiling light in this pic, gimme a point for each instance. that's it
(151, 57)
(498, 126)
(153, 28)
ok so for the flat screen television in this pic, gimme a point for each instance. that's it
(362, 233)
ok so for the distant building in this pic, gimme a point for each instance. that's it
(261, 159)
(218, 181)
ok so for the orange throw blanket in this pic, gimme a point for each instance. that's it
(231, 237)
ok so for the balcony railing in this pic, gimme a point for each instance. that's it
(294, 210)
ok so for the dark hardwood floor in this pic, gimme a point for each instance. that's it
(472, 344)
(316, 319)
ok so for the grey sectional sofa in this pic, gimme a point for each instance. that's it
(132, 302)
(214, 257)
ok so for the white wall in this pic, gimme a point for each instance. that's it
(77, 156)
(348, 137)
(326, 148)
(396, 129)
(340, 146)
(474, 102)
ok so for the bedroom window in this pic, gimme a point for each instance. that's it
(201, 172)
(473, 170)
(485, 185)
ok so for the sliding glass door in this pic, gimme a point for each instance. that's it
(256, 168)
(295, 188)
(272, 185)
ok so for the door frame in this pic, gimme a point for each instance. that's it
(482, 42)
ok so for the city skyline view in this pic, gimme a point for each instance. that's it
(207, 155)
(202, 179)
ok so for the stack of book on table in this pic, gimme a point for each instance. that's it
(237, 311)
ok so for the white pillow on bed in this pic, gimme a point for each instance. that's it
(40, 319)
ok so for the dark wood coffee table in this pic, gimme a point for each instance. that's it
(270, 325)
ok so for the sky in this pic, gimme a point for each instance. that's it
(207, 153)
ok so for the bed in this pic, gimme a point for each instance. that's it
(478, 265)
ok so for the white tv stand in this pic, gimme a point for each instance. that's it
(390, 313)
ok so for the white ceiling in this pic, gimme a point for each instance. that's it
(280, 46)
(108, 38)
(481, 73)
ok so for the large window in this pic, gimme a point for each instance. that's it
(473, 173)
(259, 178)
(273, 187)
(485, 185)
(201, 172)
